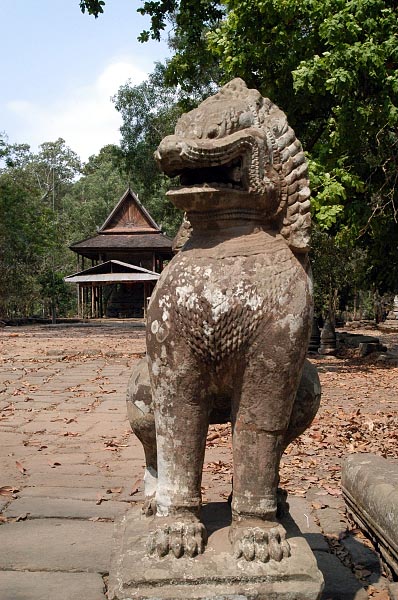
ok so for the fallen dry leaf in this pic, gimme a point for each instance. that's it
(8, 490)
(22, 517)
(99, 499)
(135, 487)
(20, 467)
(379, 594)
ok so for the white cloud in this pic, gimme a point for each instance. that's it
(85, 117)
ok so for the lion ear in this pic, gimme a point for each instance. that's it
(295, 217)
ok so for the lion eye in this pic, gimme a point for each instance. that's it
(213, 132)
(245, 120)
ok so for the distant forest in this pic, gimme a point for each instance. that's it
(330, 65)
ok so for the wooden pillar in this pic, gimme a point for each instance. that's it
(145, 297)
(97, 308)
(86, 299)
(101, 301)
(153, 261)
(82, 301)
(78, 300)
(92, 301)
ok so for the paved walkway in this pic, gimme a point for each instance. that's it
(70, 466)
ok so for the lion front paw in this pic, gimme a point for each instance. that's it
(263, 543)
(178, 538)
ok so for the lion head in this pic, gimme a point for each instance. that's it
(236, 151)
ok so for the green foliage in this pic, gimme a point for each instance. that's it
(49, 200)
(339, 273)
(93, 7)
(32, 188)
(331, 65)
(93, 196)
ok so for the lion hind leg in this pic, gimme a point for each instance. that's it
(142, 422)
(306, 403)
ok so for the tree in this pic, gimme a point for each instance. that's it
(94, 194)
(32, 247)
(21, 245)
(149, 112)
(331, 65)
(340, 274)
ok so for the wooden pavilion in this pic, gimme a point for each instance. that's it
(124, 260)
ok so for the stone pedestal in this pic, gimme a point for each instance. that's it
(328, 338)
(370, 489)
(215, 575)
(391, 322)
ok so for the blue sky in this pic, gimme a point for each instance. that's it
(59, 69)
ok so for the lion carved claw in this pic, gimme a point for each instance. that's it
(260, 543)
(179, 538)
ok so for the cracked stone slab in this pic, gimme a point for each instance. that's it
(393, 589)
(56, 545)
(301, 513)
(17, 585)
(340, 583)
(214, 575)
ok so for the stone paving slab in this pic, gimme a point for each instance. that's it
(393, 589)
(56, 545)
(78, 493)
(340, 583)
(17, 585)
(94, 481)
(301, 513)
(66, 508)
(67, 376)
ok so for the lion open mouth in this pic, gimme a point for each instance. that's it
(229, 175)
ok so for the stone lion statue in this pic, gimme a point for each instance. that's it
(228, 323)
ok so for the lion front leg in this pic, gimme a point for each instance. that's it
(262, 407)
(181, 418)
(255, 531)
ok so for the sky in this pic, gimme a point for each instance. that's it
(59, 69)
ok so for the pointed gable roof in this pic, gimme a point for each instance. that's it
(130, 230)
(129, 216)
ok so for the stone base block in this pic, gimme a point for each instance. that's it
(370, 490)
(215, 575)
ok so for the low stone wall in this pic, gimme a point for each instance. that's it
(370, 489)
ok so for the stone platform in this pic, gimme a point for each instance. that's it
(215, 575)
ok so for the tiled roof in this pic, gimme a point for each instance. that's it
(128, 241)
